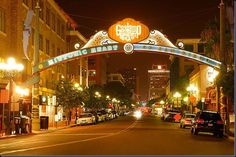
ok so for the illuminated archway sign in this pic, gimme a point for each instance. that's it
(127, 36)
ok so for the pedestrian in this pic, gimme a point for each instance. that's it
(12, 127)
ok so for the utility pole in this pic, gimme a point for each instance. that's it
(35, 89)
(223, 57)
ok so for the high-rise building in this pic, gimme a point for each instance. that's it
(158, 79)
(130, 77)
(115, 77)
(97, 70)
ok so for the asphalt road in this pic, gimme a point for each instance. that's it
(122, 136)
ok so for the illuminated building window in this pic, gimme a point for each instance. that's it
(53, 50)
(41, 13)
(48, 16)
(62, 31)
(47, 46)
(58, 51)
(58, 27)
(159, 67)
(33, 4)
(41, 42)
(53, 24)
(2, 20)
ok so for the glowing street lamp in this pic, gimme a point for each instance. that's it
(162, 102)
(77, 86)
(22, 91)
(97, 94)
(192, 90)
(9, 70)
(177, 95)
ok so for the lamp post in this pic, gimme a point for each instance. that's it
(162, 102)
(203, 102)
(9, 70)
(177, 95)
(192, 90)
(22, 92)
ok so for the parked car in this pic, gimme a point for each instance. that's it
(101, 117)
(208, 121)
(187, 120)
(103, 112)
(86, 118)
(110, 115)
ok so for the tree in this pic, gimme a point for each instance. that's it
(118, 91)
(152, 101)
(226, 80)
(211, 38)
(94, 102)
(68, 96)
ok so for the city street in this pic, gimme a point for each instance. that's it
(122, 136)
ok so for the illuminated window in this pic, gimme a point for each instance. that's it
(2, 20)
(41, 13)
(48, 16)
(47, 46)
(58, 51)
(62, 31)
(53, 24)
(159, 67)
(58, 27)
(41, 42)
(53, 50)
(33, 4)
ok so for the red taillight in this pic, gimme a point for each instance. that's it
(200, 121)
(219, 122)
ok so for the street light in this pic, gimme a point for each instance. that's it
(192, 90)
(97, 94)
(177, 95)
(9, 70)
(162, 102)
(77, 86)
(23, 92)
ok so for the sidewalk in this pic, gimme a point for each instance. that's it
(50, 129)
(231, 134)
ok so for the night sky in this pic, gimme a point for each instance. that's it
(174, 18)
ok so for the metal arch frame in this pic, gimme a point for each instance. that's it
(118, 48)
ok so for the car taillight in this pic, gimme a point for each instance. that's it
(200, 121)
(219, 122)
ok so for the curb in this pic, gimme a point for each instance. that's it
(37, 132)
(230, 138)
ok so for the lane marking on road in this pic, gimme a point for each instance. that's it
(20, 142)
(84, 134)
(71, 142)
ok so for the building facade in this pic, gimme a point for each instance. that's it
(97, 70)
(158, 79)
(57, 34)
(116, 77)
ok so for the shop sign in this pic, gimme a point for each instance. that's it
(128, 31)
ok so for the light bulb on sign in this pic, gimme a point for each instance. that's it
(180, 45)
(77, 46)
